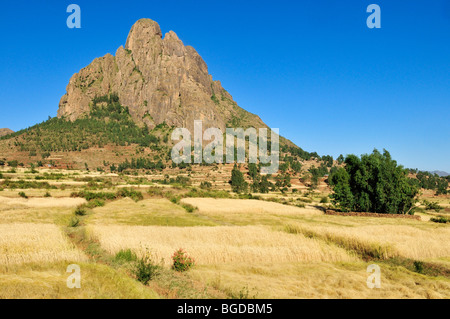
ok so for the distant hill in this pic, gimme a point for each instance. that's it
(5, 131)
(440, 173)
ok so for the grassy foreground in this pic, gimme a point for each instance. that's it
(243, 248)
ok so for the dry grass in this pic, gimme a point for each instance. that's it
(236, 206)
(319, 280)
(30, 243)
(384, 241)
(48, 281)
(41, 202)
(248, 212)
(146, 213)
(218, 245)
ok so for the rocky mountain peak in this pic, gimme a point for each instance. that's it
(160, 80)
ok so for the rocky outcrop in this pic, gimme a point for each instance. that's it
(160, 80)
(5, 131)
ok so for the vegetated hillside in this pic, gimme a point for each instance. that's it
(107, 136)
(5, 131)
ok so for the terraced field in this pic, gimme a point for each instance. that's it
(243, 248)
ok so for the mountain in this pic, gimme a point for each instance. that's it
(440, 173)
(5, 131)
(160, 80)
(125, 106)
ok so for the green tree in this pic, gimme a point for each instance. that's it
(238, 183)
(252, 170)
(373, 183)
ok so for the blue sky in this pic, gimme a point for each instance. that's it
(311, 68)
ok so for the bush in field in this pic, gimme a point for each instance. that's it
(432, 206)
(91, 195)
(23, 195)
(440, 220)
(146, 269)
(195, 193)
(74, 222)
(373, 183)
(131, 193)
(95, 203)
(181, 261)
(80, 211)
(189, 208)
(205, 185)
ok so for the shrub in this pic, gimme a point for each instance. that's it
(47, 194)
(440, 220)
(74, 222)
(181, 261)
(23, 195)
(174, 199)
(96, 203)
(80, 211)
(432, 206)
(146, 269)
(155, 192)
(418, 266)
(189, 208)
(91, 195)
(205, 185)
(131, 193)
(324, 200)
(195, 193)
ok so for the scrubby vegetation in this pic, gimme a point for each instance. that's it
(107, 122)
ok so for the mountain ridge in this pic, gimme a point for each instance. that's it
(160, 80)
(5, 131)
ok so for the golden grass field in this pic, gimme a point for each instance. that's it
(35, 243)
(394, 240)
(219, 245)
(242, 248)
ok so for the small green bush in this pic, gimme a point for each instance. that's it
(432, 206)
(324, 200)
(95, 203)
(23, 195)
(47, 194)
(131, 193)
(440, 220)
(189, 208)
(181, 261)
(418, 266)
(80, 211)
(74, 222)
(205, 185)
(146, 269)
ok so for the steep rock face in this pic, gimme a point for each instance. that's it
(159, 79)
